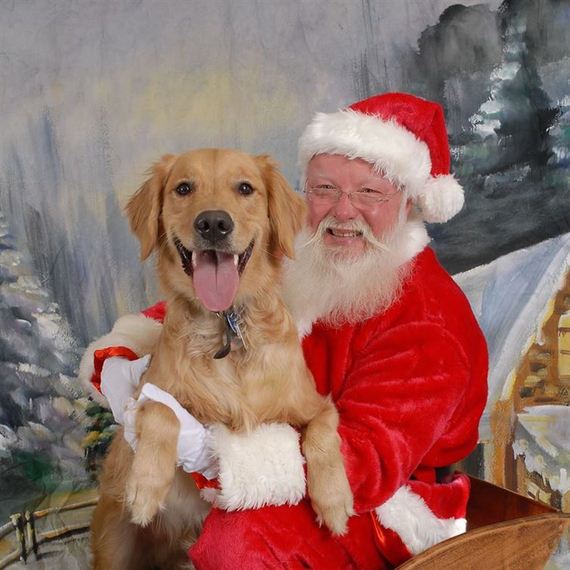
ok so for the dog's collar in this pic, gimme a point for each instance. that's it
(233, 333)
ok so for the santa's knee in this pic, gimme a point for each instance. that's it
(270, 537)
(232, 540)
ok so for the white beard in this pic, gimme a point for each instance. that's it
(319, 285)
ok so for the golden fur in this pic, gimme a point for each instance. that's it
(150, 511)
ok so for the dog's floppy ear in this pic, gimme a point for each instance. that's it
(144, 208)
(287, 208)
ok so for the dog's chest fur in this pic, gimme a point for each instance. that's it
(244, 388)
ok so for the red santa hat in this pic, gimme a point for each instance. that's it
(403, 136)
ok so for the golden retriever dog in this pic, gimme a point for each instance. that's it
(220, 222)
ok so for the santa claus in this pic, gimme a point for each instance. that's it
(385, 331)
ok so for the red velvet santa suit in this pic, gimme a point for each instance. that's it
(420, 368)
(410, 387)
(409, 384)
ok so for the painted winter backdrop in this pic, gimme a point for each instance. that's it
(92, 93)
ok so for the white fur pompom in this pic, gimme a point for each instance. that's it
(440, 199)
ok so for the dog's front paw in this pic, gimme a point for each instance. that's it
(332, 500)
(144, 498)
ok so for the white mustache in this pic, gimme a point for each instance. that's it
(355, 226)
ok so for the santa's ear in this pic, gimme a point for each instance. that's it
(145, 206)
(286, 208)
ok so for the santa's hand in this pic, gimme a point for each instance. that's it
(193, 449)
(119, 380)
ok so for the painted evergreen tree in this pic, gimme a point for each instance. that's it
(42, 411)
(512, 154)
(512, 126)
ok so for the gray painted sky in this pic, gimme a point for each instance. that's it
(245, 73)
(92, 92)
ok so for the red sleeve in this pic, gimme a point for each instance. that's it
(156, 312)
(398, 400)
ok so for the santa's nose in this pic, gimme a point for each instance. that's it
(344, 210)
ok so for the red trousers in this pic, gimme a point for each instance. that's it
(283, 537)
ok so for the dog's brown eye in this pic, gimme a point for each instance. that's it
(245, 189)
(184, 188)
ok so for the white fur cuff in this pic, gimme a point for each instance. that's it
(408, 515)
(263, 467)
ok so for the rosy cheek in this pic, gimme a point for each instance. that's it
(316, 214)
(381, 220)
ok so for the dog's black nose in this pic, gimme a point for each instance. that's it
(214, 225)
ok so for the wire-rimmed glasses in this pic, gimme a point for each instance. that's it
(330, 195)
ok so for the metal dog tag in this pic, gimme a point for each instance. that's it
(232, 332)
(233, 320)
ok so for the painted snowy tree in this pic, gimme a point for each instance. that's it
(513, 125)
(42, 410)
(508, 127)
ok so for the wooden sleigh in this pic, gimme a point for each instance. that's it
(504, 531)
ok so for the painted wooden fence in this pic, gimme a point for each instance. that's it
(28, 535)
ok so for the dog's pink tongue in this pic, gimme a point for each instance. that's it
(216, 279)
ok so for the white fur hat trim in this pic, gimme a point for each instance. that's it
(392, 148)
